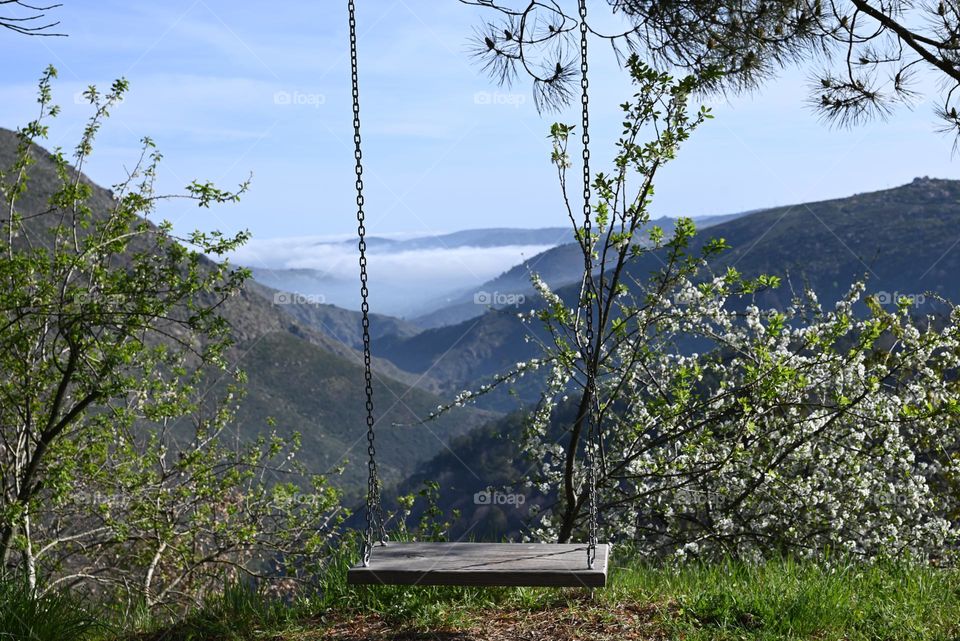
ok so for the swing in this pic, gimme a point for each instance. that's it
(461, 563)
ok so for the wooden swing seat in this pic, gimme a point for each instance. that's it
(483, 564)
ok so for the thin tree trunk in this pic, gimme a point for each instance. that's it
(571, 506)
(30, 560)
(151, 569)
(5, 535)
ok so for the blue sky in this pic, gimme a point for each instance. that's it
(228, 87)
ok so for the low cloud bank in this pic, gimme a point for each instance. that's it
(402, 283)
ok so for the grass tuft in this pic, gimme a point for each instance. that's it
(24, 614)
(241, 611)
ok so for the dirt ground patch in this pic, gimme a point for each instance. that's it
(627, 622)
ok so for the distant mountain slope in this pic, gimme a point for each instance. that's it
(489, 237)
(461, 356)
(557, 266)
(320, 395)
(489, 458)
(344, 325)
(907, 240)
(298, 373)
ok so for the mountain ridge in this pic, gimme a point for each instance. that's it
(913, 231)
(323, 399)
(557, 267)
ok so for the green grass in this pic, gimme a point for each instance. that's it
(779, 599)
(782, 599)
(788, 599)
(27, 616)
(237, 613)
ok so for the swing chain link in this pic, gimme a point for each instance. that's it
(374, 509)
(590, 390)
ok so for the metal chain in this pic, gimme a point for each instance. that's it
(588, 275)
(374, 514)
(374, 509)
